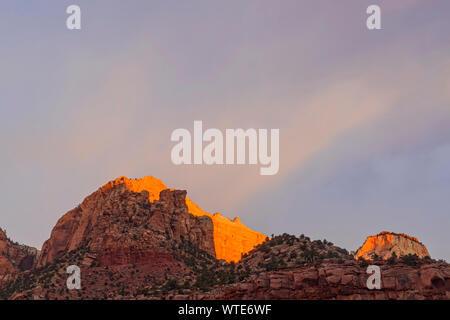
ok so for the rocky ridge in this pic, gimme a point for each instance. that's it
(289, 267)
(15, 258)
(231, 237)
(334, 281)
(386, 244)
(136, 239)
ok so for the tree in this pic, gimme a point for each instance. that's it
(362, 262)
(375, 257)
(392, 259)
(309, 254)
(411, 259)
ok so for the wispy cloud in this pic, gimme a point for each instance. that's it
(88, 107)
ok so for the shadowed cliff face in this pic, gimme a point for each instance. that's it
(102, 225)
(232, 239)
(14, 258)
(385, 244)
(117, 226)
(6, 266)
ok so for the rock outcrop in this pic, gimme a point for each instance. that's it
(165, 266)
(137, 239)
(385, 244)
(289, 267)
(14, 257)
(120, 226)
(332, 281)
(232, 239)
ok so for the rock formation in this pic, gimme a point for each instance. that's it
(333, 281)
(120, 226)
(230, 239)
(287, 267)
(137, 239)
(14, 257)
(385, 244)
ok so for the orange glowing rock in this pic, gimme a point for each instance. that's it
(232, 239)
(385, 244)
(150, 184)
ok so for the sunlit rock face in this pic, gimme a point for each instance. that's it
(385, 244)
(232, 239)
(225, 239)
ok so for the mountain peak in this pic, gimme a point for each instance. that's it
(150, 184)
(404, 235)
(231, 239)
(14, 257)
(386, 243)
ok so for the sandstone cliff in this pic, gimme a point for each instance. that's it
(385, 244)
(14, 257)
(333, 281)
(137, 239)
(285, 267)
(120, 226)
(289, 267)
(230, 239)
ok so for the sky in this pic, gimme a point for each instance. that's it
(364, 115)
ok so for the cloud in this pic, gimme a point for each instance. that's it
(119, 123)
(88, 108)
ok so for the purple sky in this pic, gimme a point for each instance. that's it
(364, 116)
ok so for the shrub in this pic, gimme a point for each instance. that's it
(393, 259)
(411, 260)
(375, 257)
(362, 262)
